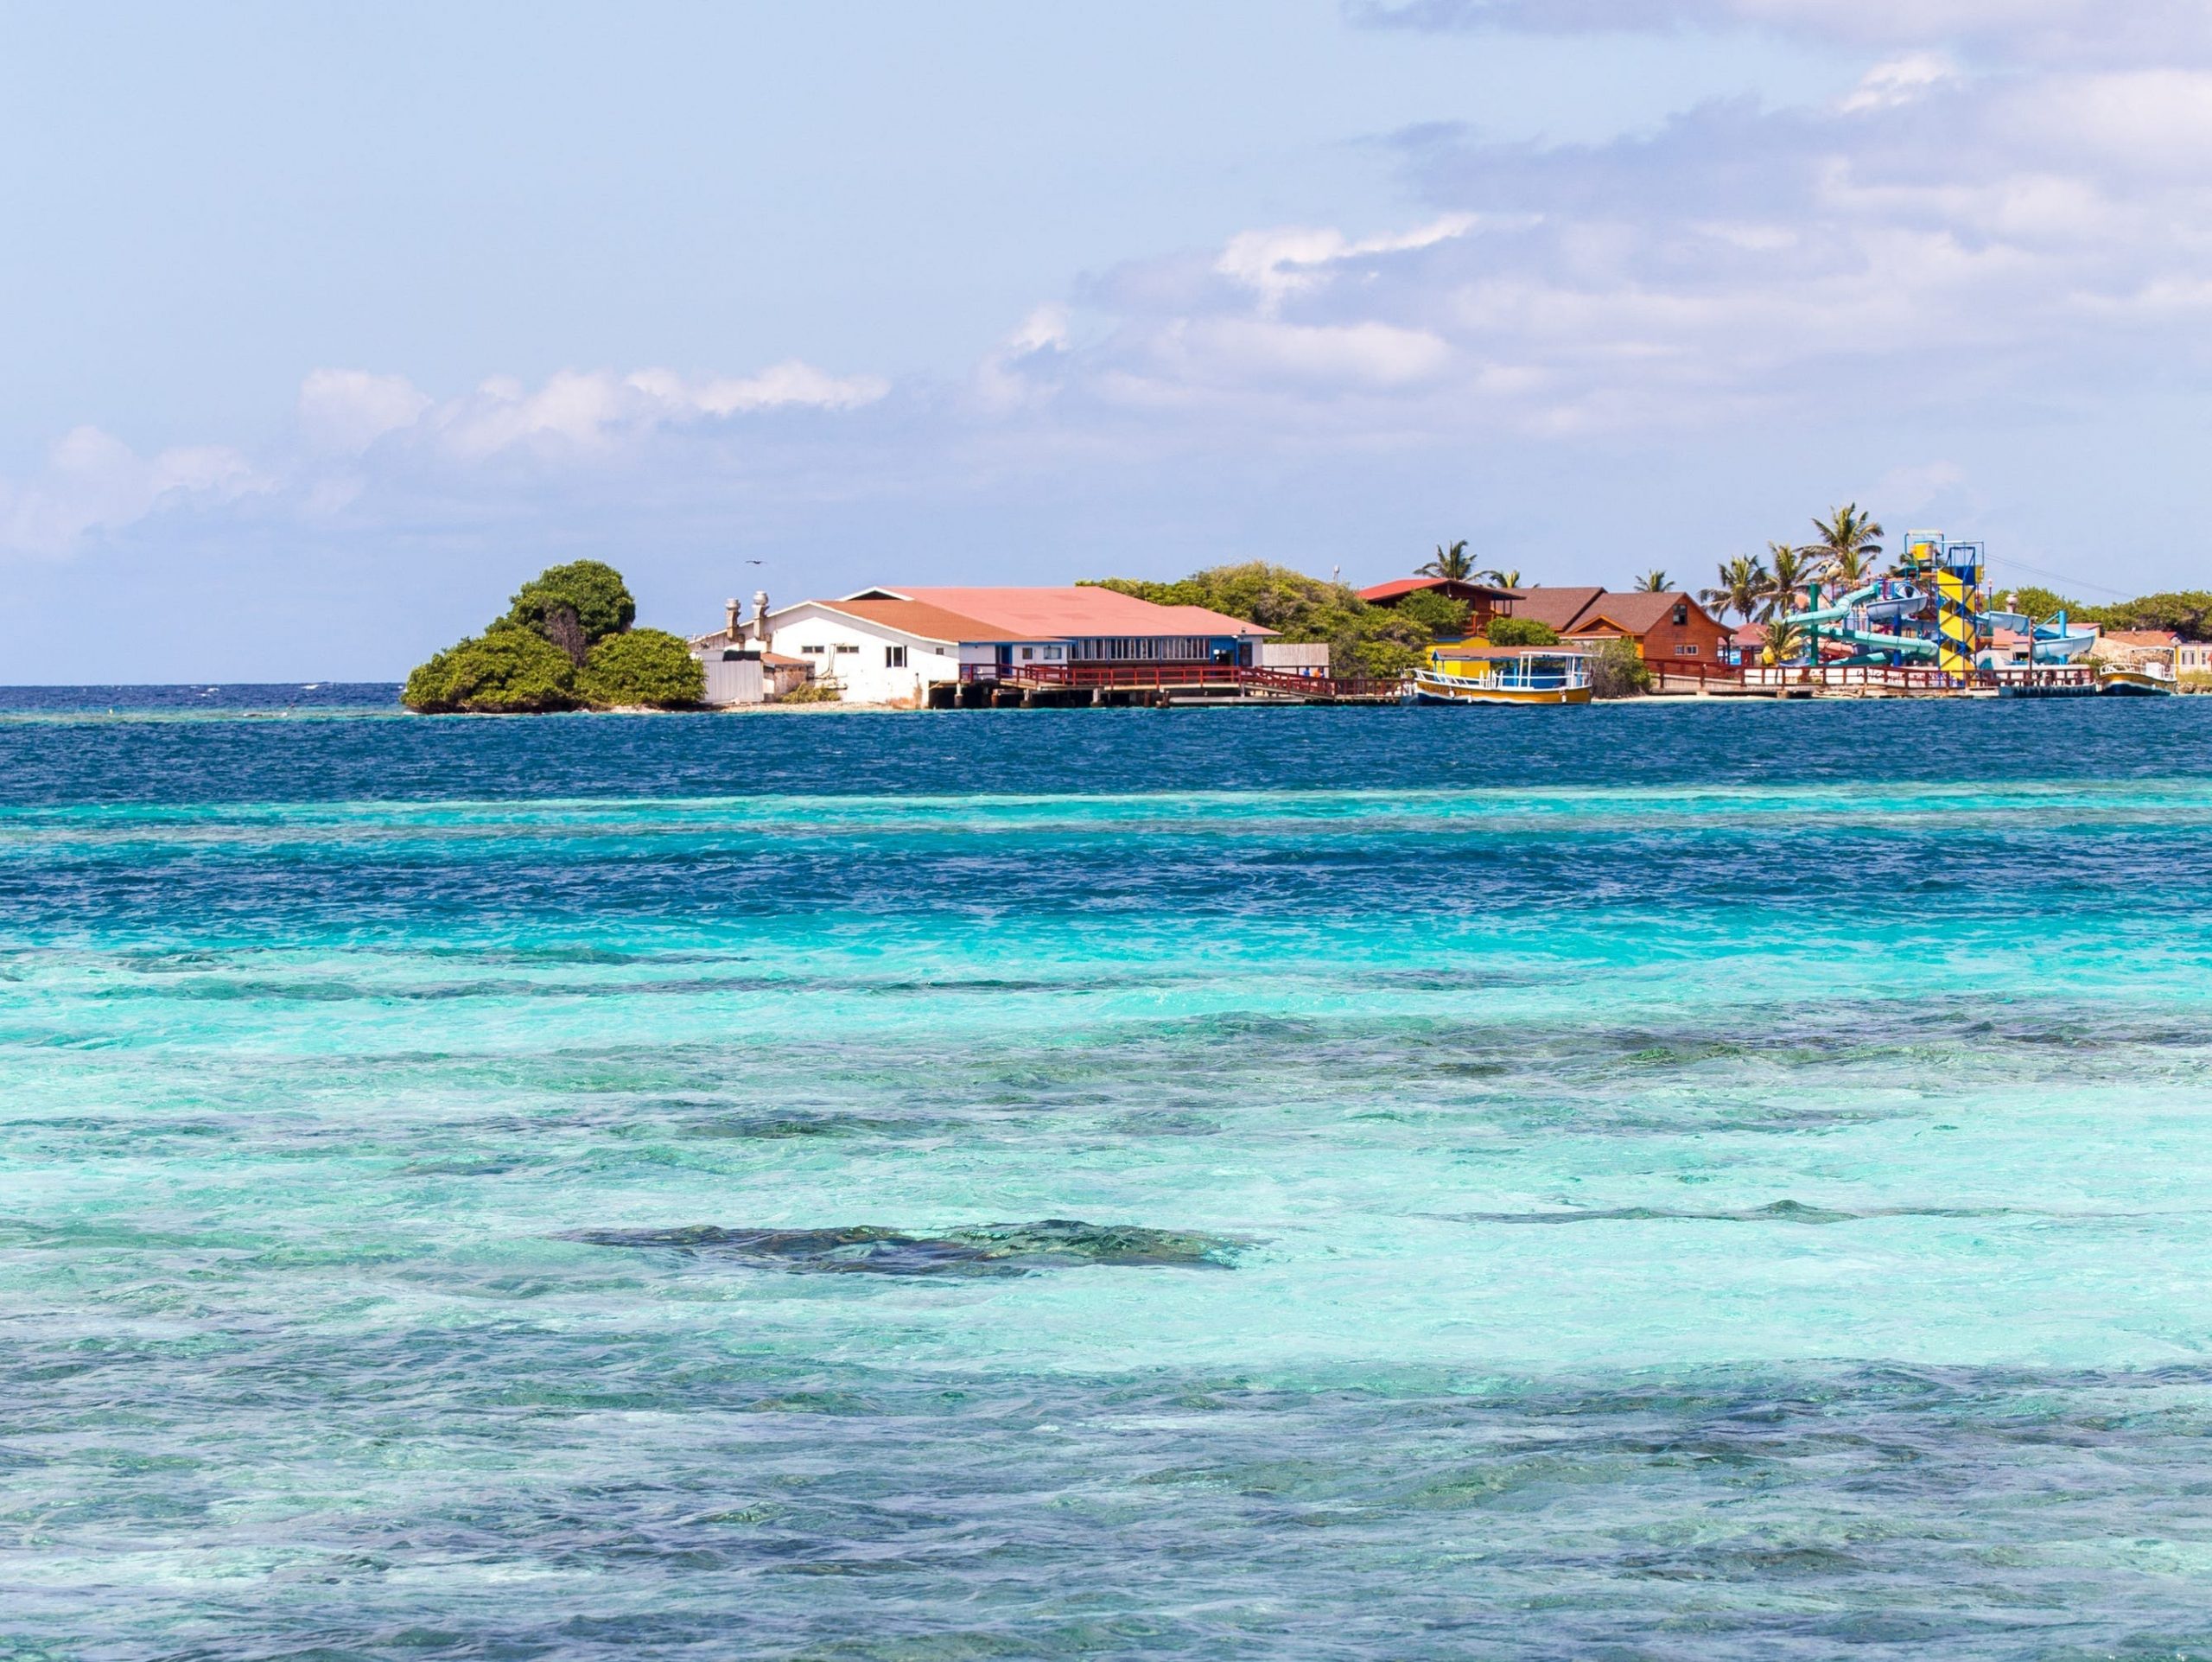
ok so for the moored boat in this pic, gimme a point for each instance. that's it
(2134, 684)
(1476, 674)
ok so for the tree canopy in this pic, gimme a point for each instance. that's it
(2187, 612)
(565, 641)
(1363, 639)
(1454, 563)
(1849, 542)
(504, 670)
(1522, 632)
(643, 666)
(1438, 613)
(1744, 582)
(590, 590)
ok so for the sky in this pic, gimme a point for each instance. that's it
(327, 325)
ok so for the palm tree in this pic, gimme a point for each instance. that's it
(1655, 583)
(1789, 572)
(1502, 579)
(1744, 585)
(1784, 641)
(1455, 564)
(1850, 543)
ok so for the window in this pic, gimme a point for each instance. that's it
(894, 658)
(843, 649)
(1028, 652)
(1689, 650)
(817, 650)
(1681, 613)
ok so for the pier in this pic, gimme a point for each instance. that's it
(1050, 686)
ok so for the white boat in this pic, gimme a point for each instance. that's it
(1477, 674)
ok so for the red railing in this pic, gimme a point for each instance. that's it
(1238, 677)
(1894, 678)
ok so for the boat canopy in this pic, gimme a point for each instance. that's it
(1508, 652)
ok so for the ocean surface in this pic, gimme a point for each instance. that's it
(1661, 1181)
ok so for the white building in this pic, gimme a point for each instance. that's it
(738, 669)
(884, 646)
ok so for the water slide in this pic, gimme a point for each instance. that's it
(2061, 645)
(1868, 602)
(1842, 608)
(1910, 646)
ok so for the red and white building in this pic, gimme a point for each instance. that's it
(887, 646)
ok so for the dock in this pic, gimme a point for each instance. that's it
(1067, 686)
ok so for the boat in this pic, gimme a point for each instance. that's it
(2134, 684)
(1477, 674)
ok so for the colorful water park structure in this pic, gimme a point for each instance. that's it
(1933, 613)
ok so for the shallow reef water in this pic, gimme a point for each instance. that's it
(1667, 1181)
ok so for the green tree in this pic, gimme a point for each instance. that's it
(1653, 582)
(1501, 578)
(1363, 639)
(1522, 632)
(1438, 613)
(1617, 670)
(2039, 602)
(592, 593)
(504, 670)
(1454, 563)
(2187, 612)
(1745, 582)
(1789, 572)
(643, 666)
(1784, 641)
(1846, 546)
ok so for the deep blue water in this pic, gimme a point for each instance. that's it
(1674, 1181)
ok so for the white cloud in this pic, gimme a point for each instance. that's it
(2054, 32)
(1899, 80)
(359, 432)
(1327, 357)
(94, 481)
(577, 410)
(1278, 263)
(1937, 235)
(1021, 372)
(348, 410)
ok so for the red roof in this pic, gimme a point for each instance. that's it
(1061, 614)
(1455, 587)
(2141, 637)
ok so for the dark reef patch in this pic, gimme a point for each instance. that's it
(979, 1250)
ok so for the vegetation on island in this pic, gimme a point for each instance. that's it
(567, 641)
(1522, 632)
(1617, 669)
(2187, 612)
(1363, 639)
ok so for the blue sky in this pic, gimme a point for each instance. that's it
(329, 324)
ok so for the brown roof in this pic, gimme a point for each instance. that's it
(1575, 610)
(921, 620)
(1558, 606)
(1636, 611)
(2141, 637)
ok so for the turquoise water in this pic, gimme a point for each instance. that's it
(1667, 1182)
